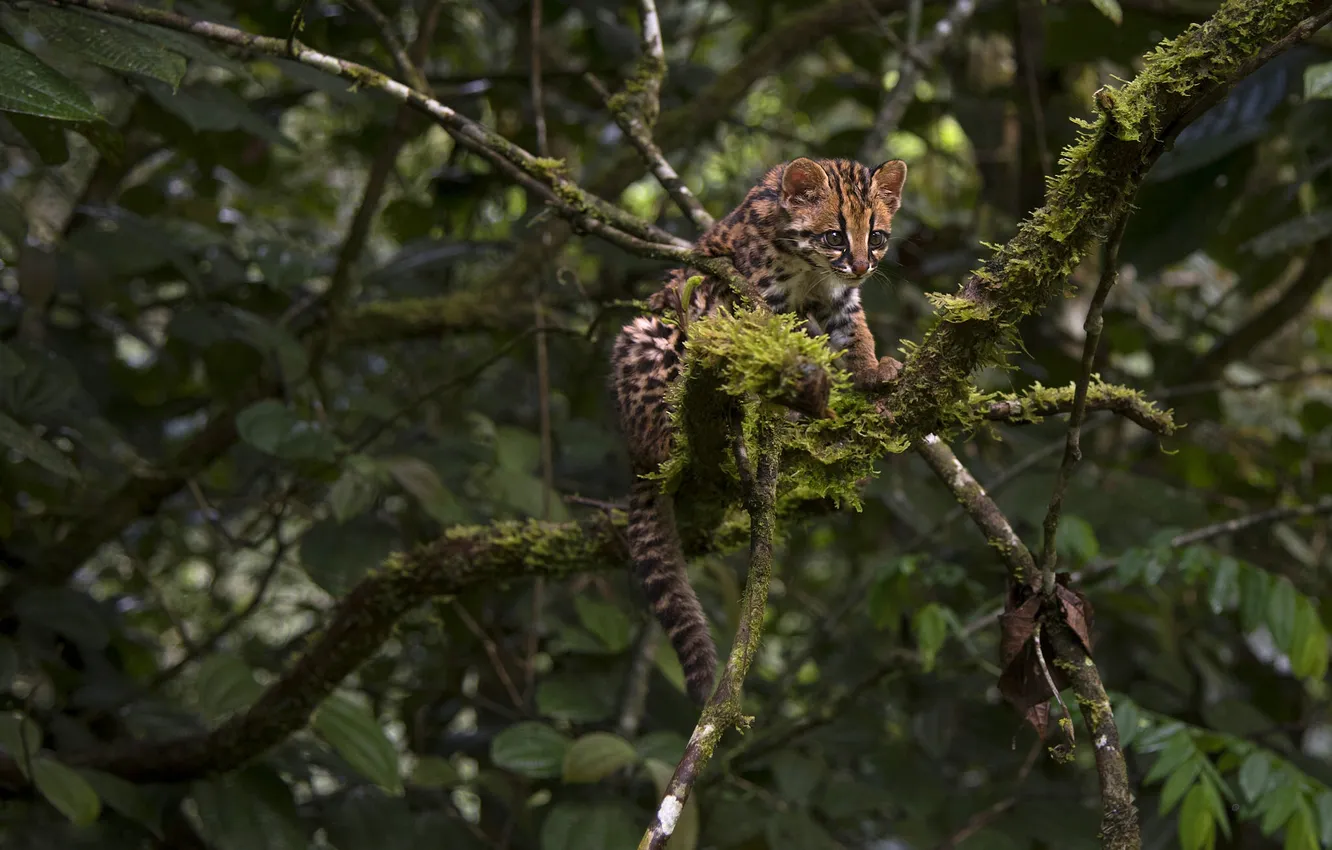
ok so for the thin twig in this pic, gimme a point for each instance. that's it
(1073, 445)
(987, 815)
(723, 709)
(407, 69)
(492, 652)
(538, 98)
(1232, 526)
(634, 700)
(1050, 683)
(914, 65)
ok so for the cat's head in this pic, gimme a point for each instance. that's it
(839, 214)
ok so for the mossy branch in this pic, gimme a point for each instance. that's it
(723, 710)
(1037, 402)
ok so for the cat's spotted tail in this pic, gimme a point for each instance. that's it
(659, 564)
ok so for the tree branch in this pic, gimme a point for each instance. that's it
(1038, 402)
(1119, 816)
(723, 709)
(1232, 526)
(1073, 445)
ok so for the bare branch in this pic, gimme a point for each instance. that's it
(1073, 446)
(1233, 526)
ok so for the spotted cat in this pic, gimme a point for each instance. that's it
(807, 236)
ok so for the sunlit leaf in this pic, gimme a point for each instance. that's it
(930, 625)
(1197, 829)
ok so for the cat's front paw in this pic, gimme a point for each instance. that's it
(889, 369)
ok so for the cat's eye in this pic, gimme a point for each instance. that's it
(834, 239)
(878, 239)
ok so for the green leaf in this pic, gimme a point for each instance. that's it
(348, 726)
(9, 361)
(1180, 749)
(354, 491)
(273, 429)
(1308, 648)
(687, 824)
(1255, 587)
(668, 664)
(1318, 81)
(930, 625)
(794, 828)
(105, 43)
(1324, 804)
(1279, 803)
(20, 737)
(1180, 781)
(34, 448)
(9, 664)
(420, 479)
(796, 775)
(29, 87)
(1253, 774)
(530, 749)
(663, 746)
(127, 798)
(1075, 540)
(597, 755)
(338, 555)
(1300, 831)
(575, 699)
(1111, 9)
(223, 684)
(65, 789)
(600, 826)
(1197, 830)
(251, 811)
(434, 772)
(603, 619)
(368, 819)
(1281, 611)
(1224, 592)
(1127, 719)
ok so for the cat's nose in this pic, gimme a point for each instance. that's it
(859, 267)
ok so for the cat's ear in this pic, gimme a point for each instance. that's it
(804, 181)
(888, 180)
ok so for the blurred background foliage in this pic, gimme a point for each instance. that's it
(202, 457)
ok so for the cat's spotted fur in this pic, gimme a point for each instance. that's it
(806, 236)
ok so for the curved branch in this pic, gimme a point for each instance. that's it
(462, 558)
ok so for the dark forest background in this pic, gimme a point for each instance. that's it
(259, 330)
